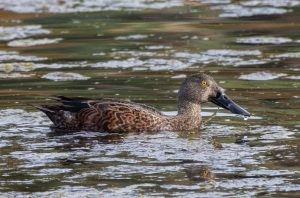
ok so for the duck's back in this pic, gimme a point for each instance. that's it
(103, 115)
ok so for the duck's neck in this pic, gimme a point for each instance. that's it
(190, 109)
(188, 117)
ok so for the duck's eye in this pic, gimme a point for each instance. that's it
(203, 83)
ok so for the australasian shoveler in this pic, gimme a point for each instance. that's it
(120, 116)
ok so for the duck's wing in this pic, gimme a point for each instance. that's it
(77, 103)
(103, 114)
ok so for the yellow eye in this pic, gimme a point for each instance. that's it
(203, 83)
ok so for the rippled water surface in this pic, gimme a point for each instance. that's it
(141, 50)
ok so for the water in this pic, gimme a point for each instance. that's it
(141, 51)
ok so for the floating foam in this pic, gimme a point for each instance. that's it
(132, 37)
(179, 76)
(32, 42)
(261, 76)
(64, 76)
(234, 11)
(54, 6)
(15, 75)
(14, 56)
(29, 66)
(18, 32)
(264, 40)
(288, 55)
(157, 47)
(293, 77)
(151, 64)
(277, 3)
(228, 52)
(223, 57)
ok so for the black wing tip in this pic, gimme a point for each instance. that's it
(59, 98)
(43, 108)
(61, 103)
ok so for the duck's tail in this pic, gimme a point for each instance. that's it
(43, 108)
(62, 119)
(51, 111)
(63, 114)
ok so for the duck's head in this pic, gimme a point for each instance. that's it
(200, 88)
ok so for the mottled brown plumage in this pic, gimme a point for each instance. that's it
(111, 115)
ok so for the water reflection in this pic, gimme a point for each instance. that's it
(113, 156)
(86, 138)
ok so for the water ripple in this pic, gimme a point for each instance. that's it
(83, 157)
(18, 32)
(53, 6)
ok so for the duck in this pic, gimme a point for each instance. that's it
(121, 116)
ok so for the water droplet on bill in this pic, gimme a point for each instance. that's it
(246, 117)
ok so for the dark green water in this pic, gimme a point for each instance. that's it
(141, 51)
